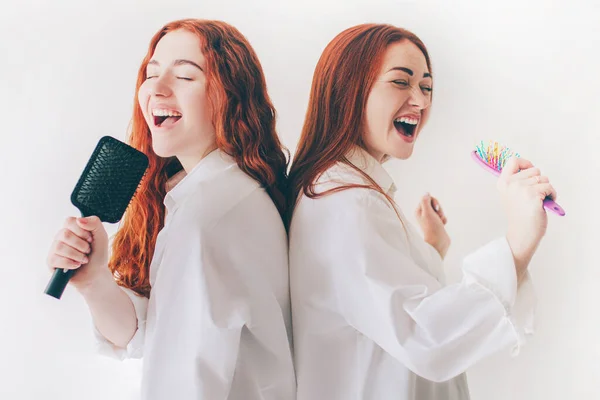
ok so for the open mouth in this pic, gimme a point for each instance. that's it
(165, 118)
(406, 126)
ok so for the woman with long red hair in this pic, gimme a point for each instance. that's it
(197, 282)
(372, 315)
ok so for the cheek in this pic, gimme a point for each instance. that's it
(383, 106)
(198, 107)
(143, 97)
(376, 111)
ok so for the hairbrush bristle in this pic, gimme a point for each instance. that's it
(110, 179)
(495, 154)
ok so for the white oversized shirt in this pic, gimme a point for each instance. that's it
(217, 325)
(372, 316)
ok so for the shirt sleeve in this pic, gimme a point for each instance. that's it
(135, 346)
(437, 331)
(200, 313)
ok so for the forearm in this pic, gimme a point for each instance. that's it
(112, 310)
(522, 255)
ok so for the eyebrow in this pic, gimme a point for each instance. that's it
(178, 62)
(410, 72)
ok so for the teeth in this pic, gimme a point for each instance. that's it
(165, 113)
(407, 120)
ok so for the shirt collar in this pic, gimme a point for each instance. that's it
(361, 159)
(215, 162)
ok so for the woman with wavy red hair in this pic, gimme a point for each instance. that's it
(372, 315)
(204, 296)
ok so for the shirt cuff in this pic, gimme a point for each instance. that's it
(135, 346)
(493, 267)
(523, 312)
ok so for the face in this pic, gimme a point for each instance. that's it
(174, 102)
(398, 105)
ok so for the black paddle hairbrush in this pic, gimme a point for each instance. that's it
(105, 189)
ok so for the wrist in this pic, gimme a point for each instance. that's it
(99, 286)
(441, 246)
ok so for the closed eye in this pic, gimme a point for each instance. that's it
(403, 83)
(179, 77)
(400, 83)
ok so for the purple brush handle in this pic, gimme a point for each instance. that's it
(549, 204)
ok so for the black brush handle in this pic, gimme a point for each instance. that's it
(59, 281)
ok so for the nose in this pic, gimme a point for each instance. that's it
(160, 86)
(419, 99)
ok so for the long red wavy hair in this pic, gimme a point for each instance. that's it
(244, 121)
(334, 121)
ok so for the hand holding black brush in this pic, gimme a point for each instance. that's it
(102, 194)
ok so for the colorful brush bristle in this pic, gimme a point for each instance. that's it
(493, 158)
(495, 154)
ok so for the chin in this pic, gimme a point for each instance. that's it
(401, 153)
(162, 149)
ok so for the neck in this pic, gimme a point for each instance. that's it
(380, 157)
(188, 162)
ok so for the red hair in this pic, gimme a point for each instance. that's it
(334, 121)
(244, 121)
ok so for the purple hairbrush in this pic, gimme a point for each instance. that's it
(493, 157)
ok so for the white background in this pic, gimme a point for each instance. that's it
(525, 73)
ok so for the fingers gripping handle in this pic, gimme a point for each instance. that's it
(549, 204)
(59, 280)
